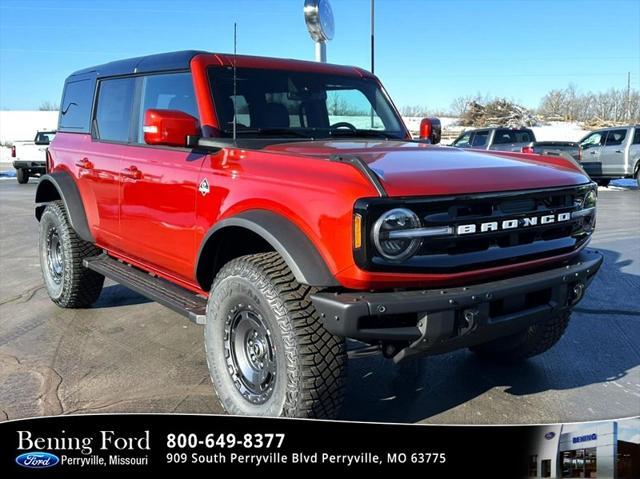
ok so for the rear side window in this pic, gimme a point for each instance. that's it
(636, 137)
(113, 113)
(75, 111)
(615, 137)
(512, 136)
(173, 91)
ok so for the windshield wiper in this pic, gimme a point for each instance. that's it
(270, 131)
(363, 133)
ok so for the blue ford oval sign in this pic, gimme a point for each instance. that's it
(37, 460)
(550, 435)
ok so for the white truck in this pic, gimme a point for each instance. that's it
(30, 157)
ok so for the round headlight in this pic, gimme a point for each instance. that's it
(396, 248)
(590, 199)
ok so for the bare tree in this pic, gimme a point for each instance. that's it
(48, 106)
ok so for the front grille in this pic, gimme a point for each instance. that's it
(462, 252)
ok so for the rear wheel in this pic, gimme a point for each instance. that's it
(532, 341)
(603, 182)
(68, 283)
(267, 352)
(638, 177)
(22, 176)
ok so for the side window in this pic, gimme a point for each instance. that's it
(480, 139)
(594, 139)
(503, 137)
(636, 136)
(75, 112)
(615, 137)
(463, 141)
(173, 91)
(115, 104)
(524, 136)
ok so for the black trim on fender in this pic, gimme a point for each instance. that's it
(70, 195)
(363, 168)
(298, 251)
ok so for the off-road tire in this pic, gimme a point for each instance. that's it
(22, 176)
(77, 286)
(532, 341)
(310, 363)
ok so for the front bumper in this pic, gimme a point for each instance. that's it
(442, 320)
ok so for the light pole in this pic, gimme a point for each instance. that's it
(319, 19)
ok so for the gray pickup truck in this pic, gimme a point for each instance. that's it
(502, 139)
(610, 153)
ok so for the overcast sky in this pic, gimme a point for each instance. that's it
(428, 52)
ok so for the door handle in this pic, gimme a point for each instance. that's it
(132, 172)
(85, 164)
(618, 151)
(593, 152)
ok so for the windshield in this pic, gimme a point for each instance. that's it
(307, 104)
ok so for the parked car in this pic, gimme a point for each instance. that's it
(30, 156)
(236, 194)
(610, 153)
(502, 139)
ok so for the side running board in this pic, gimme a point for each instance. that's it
(162, 291)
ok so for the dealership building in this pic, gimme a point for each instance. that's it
(591, 450)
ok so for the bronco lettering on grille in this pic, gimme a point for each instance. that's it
(512, 223)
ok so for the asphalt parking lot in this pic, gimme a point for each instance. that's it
(127, 354)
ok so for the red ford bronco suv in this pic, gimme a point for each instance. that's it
(283, 205)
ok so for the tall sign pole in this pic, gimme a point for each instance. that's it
(319, 19)
(373, 45)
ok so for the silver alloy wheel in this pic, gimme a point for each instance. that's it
(55, 256)
(250, 353)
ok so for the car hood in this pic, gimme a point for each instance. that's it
(418, 169)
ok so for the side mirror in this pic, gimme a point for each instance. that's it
(42, 141)
(431, 129)
(169, 127)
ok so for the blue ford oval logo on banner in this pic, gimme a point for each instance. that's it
(37, 460)
(550, 435)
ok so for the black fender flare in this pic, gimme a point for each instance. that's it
(61, 185)
(300, 254)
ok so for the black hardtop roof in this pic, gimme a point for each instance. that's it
(149, 63)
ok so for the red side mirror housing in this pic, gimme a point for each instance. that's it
(169, 127)
(431, 129)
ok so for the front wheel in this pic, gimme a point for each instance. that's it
(534, 340)
(268, 353)
(22, 176)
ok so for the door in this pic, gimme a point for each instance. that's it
(160, 184)
(591, 146)
(612, 154)
(99, 166)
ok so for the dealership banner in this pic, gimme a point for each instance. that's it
(197, 444)
(107, 444)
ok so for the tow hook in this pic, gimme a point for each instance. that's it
(469, 318)
(577, 293)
